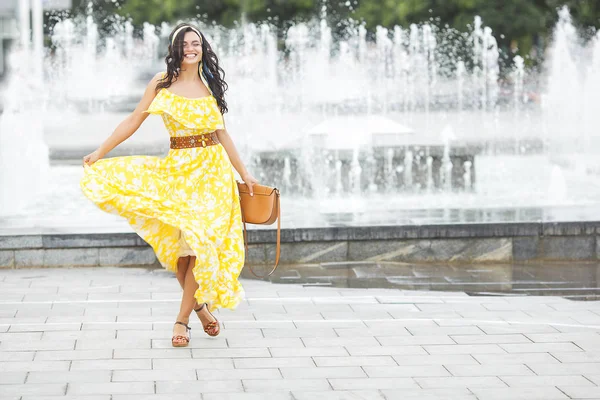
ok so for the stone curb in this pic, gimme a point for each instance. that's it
(464, 243)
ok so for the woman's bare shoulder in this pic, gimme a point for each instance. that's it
(159, 76)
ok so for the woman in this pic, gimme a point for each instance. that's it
(186, 205)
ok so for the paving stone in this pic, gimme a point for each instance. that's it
(516, 358)
(297, 333)
(12, 378)
(264, 385)
(171, 396)
(275, 362)
(92, 344)
(214, 344)
(111, 388)
(34, 366)
(221, 375)
(345, 341)
(383, 350)
(329, 324)
(152, 353)
(354, 361)
(412, 340)
(577, 357)
(90, 397)
(266, 342)
(16, 356)
(454, 382)
(248, 396)
(153, 375)
(591, 377)
(198, 363)
(406, 371)
(465, 349)
(35, 345)
(487, 339)
(539, 347)
(230, 353)
(308, 351)
(517, 329)
(22, 336)
(549, 381)
(322, 372)
(566, 369)
(372, 383)
(429, 394)
(104, 321)
(68, 355)
(95, 326)
(546, 393)
(69, 376)
(53, 389)
(443, 359)
(90, 365)
(195, 387)
(489, 370)
(339, 395)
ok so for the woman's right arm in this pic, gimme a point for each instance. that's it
(128, 126)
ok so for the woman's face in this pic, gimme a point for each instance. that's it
(192, 48)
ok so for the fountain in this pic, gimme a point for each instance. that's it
(24, 160)
(466, 140)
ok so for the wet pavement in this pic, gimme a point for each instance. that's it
(577, 281)
(104, 334)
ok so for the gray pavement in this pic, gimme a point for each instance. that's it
(104, 334)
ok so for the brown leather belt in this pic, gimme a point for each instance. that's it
(187, 142)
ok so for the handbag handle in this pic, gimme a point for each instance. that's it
(278, 249)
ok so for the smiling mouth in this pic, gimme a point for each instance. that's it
(191, 55)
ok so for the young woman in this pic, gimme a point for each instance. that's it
(185, 205)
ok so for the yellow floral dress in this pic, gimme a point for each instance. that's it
(183, 204)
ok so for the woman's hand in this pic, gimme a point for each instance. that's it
(91, 158)
(249, 180)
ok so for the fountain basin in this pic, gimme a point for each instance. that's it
(532, 242)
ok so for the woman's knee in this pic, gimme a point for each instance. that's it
(182, 266)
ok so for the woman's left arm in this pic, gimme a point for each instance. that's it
(235, 159)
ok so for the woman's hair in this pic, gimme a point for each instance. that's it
(210, 65)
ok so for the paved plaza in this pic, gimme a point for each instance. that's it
(104, 334)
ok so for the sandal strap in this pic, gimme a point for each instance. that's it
(186, 326)
(200, 308)
(211, 325)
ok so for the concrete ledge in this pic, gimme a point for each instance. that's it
(464, 243)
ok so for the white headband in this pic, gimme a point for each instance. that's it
(184, 27)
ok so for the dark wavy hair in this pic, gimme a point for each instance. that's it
(215, 75)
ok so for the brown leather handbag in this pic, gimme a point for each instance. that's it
(262, 209)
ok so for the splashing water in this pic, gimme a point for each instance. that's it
(415, 76)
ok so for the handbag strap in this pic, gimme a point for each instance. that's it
(278, 249)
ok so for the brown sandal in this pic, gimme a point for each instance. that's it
(176, 339)
(211, 325)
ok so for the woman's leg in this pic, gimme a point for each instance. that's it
(188, 301)
(183, 264)
(182, 267)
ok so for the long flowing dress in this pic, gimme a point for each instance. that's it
(183, 204)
